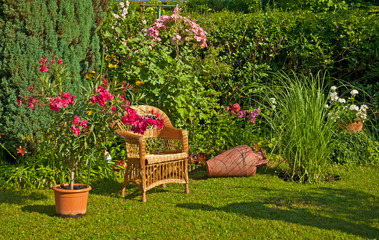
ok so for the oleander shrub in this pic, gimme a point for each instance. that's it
(29, 30)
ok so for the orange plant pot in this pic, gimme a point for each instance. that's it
(71, 203)
(352, 127)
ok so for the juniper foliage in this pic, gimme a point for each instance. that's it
(33, 29)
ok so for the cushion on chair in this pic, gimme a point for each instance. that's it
(161, 158)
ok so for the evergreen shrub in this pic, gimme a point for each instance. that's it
(31, 29)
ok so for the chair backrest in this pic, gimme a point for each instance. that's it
(146, 110)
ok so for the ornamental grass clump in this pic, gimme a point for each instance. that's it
(300, 125)
(80, 124)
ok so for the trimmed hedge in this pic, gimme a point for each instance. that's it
(251, 46)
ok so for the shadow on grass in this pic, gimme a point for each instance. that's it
(48, 210)
(19, 197)
(309, 209)
(112, 187)
(198, 173)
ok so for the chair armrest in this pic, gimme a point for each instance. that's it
(130, 137)
(171, 132)
(176, 133)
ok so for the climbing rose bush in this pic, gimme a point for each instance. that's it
(178, 29)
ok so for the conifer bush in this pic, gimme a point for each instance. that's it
(30, 29)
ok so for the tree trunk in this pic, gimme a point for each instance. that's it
(72, 178)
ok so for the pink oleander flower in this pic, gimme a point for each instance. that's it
(30, 88)
(43, 60)
(76, 130)
(83, 123)
(19, 101)
(76, 120)
(43, 68)
(32, 102)
(103, 96)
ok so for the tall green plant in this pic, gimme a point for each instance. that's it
(29, 29)
(299, 123)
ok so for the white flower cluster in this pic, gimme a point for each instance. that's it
(333, 96)
(344, 109)
(341, 100)
(354, 92)
(354, 108)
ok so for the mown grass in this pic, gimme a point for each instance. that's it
(259, 207)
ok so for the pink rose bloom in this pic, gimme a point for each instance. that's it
(235, 107)
(19, 101)
(30, 88)
(59, 61)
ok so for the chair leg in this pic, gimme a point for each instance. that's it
(123, 187)
(187, 189)
(126, 177)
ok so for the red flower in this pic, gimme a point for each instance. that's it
(43, 68)
(235, 107)
(59, 61)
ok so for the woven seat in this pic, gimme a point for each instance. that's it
(157, 157)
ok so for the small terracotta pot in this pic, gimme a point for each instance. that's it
(352, 127)
(71, 203)
(240, 161)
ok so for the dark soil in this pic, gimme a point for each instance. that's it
(67, 187)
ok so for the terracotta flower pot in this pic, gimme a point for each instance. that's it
(352, 127)
(240, 161)
(71, 203)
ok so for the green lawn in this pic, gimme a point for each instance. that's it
(259, 207)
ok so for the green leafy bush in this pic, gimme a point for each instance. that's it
(352, 149)
(251, 46)
(224, 129)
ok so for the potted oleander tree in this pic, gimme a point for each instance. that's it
(79, 125)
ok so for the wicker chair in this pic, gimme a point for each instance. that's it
(155, 158)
